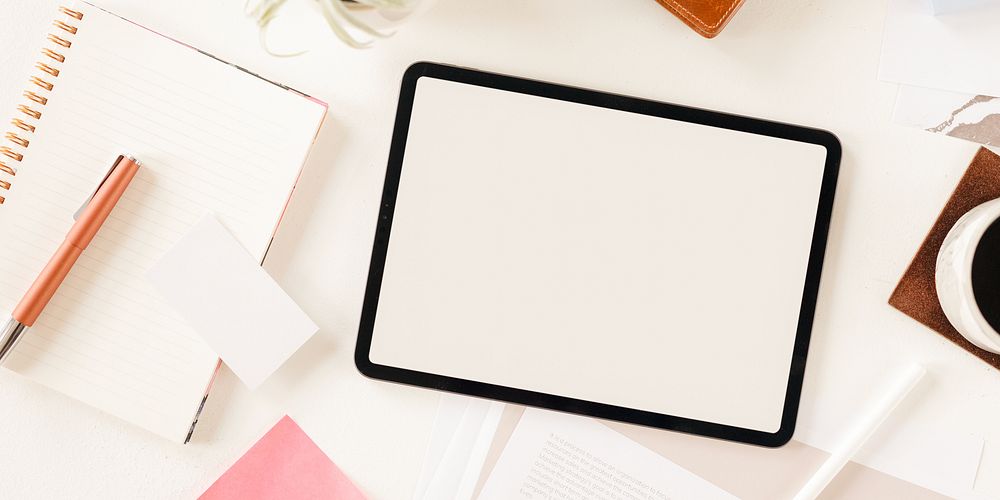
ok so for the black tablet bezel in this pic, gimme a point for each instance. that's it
(631, 105)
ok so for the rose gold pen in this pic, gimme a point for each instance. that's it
(89, 220)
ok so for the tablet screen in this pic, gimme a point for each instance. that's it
(597, 254)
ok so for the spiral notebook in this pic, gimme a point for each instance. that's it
(211, 137)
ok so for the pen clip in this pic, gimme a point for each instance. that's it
(79, 211)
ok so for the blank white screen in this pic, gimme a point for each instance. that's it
(597, 254)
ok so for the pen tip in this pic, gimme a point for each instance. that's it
(132, 159)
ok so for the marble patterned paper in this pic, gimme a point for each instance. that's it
(971, 117)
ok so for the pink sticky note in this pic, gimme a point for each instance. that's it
(284, 464)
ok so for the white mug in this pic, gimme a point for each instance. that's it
(954, 276)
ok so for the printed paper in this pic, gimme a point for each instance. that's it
(553, 455)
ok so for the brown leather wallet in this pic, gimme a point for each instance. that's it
(707, 17)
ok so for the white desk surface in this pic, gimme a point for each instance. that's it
(807, 62)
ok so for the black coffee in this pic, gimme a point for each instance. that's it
(986, 275)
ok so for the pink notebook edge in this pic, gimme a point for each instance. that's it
(281, 217)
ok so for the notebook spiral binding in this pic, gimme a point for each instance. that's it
(19, 139)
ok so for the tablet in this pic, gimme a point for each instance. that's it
(598, 254)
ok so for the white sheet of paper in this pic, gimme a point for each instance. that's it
(947, 463)
(971, 117)
(956, 51)
(948, 459)
(212, 283)
(554, 455)
(947, 6)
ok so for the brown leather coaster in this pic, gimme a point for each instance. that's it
(916, 295)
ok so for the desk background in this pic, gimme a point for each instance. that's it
(803, 61)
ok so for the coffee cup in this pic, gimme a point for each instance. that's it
(968, 276)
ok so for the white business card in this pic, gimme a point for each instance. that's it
(231, 302)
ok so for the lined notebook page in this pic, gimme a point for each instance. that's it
(211, 138)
